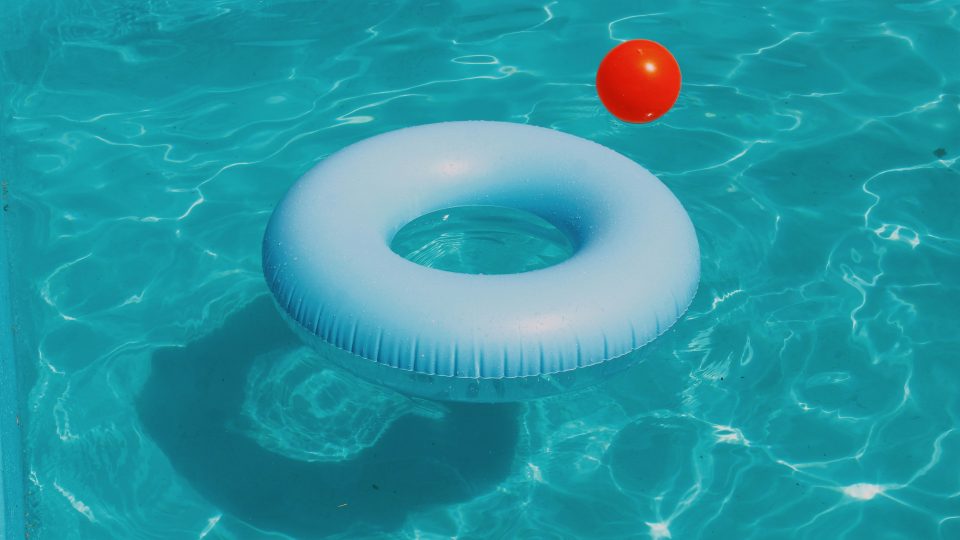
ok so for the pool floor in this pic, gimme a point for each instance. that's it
(810, 392)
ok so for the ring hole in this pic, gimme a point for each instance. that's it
(482, 240)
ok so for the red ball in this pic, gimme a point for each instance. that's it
(638, 81)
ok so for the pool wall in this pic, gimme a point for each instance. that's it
(11, 451)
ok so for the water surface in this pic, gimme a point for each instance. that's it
(811, 391)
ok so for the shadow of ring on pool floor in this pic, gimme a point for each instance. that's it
(195, 393)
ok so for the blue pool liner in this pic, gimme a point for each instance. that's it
(11, 451)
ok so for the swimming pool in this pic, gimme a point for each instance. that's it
(810, 392)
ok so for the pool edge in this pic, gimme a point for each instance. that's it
(11, 450)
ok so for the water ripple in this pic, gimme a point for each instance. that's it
(809, 393)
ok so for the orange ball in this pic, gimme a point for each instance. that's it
(638, 81)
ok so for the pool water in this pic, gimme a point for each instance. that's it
(483, 239)
(810, 392)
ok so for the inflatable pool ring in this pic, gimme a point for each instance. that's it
(467, 337)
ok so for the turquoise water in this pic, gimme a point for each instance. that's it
(811, 391)
(483, 240)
